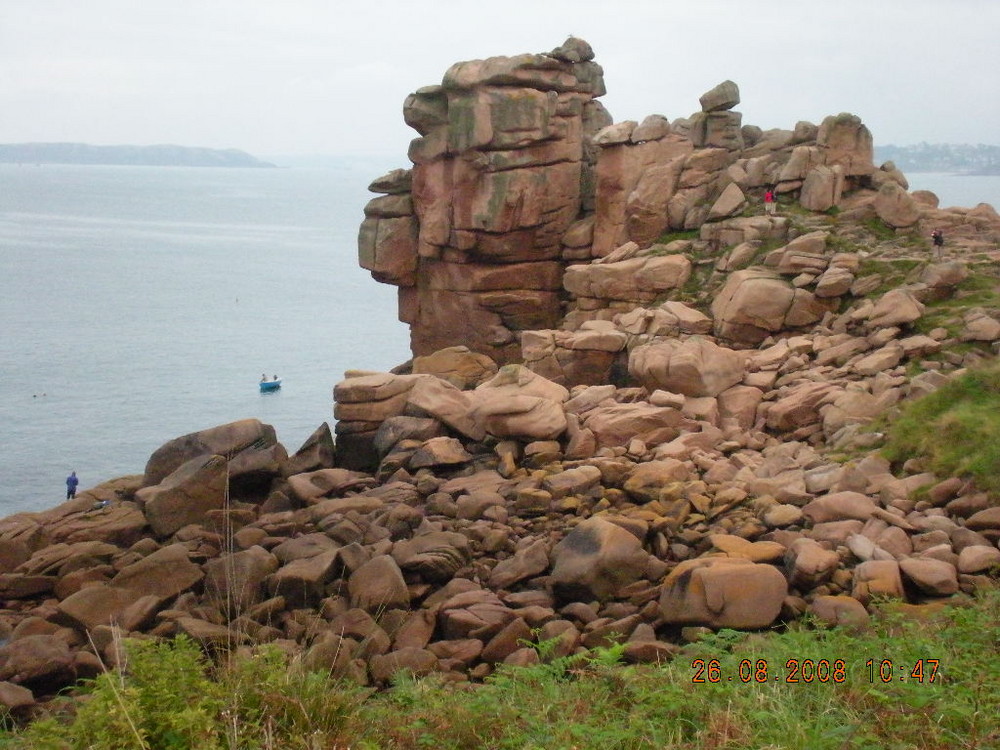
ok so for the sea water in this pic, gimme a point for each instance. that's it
(138, 304)
(958, 189)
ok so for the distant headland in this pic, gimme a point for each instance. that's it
(151, 156)
(960, 158)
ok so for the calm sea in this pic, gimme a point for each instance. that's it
(139, 304)
(958, 190)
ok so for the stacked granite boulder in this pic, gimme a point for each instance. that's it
(616, 426)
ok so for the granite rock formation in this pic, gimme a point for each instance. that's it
(628, 384)
(503, 166)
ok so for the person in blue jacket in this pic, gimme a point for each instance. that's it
(71, 483)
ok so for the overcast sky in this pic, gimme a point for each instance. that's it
(327, 76)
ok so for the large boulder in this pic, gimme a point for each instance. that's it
(896, 207)
(586, 356)
(186, 495)
(435, 556)
(846, 142)
(372, 397)
(596, 560)
(519, 403)
(458, 365)
(378, 585)
(475, 613)
(724, 96)
(719, 129)
(877, 578)
(635, 186)
(317, 452)
(414, 662)
(641, 279)
(93, 606)
(302, 582)
(164, 573)
(840, 506)
(228, 440)
(38, 662)
(433, 397)
(646, 481)
(822, 188)
(646, 209)
(809, 563)
(527, 562)
(614, 425)
(932, 577)
(723, 592)
(694, 367)
(798, 405)
(515, 416)
(234, 581)
(387, 244)
(96, 515)
(752, 304)
(895, 307)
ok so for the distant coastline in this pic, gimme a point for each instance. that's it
(147, 156)
(947, 158)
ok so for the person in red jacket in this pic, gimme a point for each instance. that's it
(770, 203)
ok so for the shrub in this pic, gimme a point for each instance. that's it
(163, 699)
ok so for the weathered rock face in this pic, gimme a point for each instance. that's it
(518, 171)
(637, 183)
(502, 169)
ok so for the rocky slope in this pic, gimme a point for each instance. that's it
(637, 409)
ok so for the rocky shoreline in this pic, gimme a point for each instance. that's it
(637, 409)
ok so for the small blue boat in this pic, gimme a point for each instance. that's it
(270, 385)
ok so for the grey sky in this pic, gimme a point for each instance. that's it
(314, 76)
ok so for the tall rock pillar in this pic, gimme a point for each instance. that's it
(502, 168)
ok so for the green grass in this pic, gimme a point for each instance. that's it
(957, 428)
(171, 699)
(879, 229)
(839, 244)
(680, 234)
(980, 289)
(895, 272)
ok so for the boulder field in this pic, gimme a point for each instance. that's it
(639, 407)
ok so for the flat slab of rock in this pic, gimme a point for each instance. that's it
(840, 506)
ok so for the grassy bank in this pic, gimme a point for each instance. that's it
(917, 678)
(956, 429)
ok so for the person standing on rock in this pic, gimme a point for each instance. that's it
(769, 202)
(71, 483)
(937, 236)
